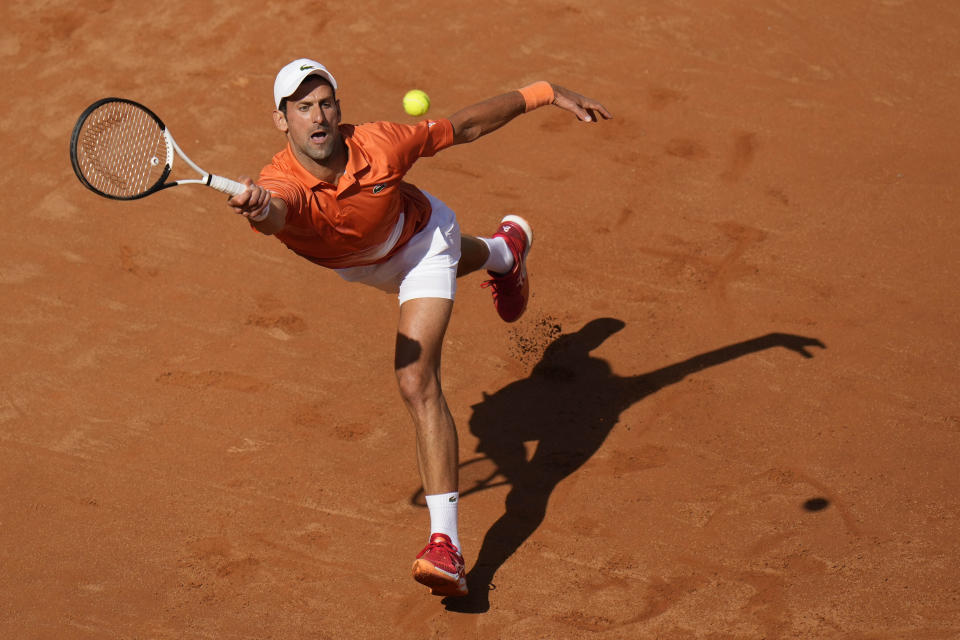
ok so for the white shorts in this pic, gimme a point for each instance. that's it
(426, 267)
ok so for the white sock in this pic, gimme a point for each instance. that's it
(501, 259)
(443, 515)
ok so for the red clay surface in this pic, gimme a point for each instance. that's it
(200, 435)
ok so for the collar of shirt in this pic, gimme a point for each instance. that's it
(357, 163)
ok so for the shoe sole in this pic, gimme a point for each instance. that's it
(525, 226)
(439, 582)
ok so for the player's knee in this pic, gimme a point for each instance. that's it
(418, 384)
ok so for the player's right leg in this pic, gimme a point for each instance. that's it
(426, 294)
(423, 322)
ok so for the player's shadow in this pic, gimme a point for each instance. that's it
(568, 405)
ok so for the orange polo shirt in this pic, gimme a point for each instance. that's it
(352, 223)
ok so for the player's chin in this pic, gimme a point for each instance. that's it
(319, 153)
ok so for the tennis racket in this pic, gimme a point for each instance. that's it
(122, 150)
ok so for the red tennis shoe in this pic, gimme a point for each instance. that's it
(440, 566)
(512, 289)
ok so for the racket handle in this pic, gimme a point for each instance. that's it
(226, 185)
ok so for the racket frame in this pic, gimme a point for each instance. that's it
(219, 183)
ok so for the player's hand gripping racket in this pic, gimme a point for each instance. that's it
(122, 150)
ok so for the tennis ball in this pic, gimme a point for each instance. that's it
(416, 102)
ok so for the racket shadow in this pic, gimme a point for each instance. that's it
(569, 404)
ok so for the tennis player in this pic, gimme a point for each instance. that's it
(336, 196)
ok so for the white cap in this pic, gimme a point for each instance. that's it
(292, 75)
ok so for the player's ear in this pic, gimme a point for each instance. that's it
(280, 120)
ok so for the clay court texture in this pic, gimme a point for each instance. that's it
(731, 410)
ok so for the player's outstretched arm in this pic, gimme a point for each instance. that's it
(487, 116)
(267, 214)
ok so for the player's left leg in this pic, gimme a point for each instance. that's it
(504, 256)
(474, 255)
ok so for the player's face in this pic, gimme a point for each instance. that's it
(312, 122)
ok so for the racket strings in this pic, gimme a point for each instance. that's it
(121, 149)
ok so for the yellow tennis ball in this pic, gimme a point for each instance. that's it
(416, 102)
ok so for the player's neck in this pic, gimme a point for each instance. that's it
(330, 169)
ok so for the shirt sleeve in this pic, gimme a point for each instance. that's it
(275, 180)
(439, 136)
(410, 142)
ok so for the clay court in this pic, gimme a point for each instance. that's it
(730, 412)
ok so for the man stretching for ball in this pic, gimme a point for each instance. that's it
(336, 196)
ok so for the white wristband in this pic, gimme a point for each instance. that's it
(260, 217)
